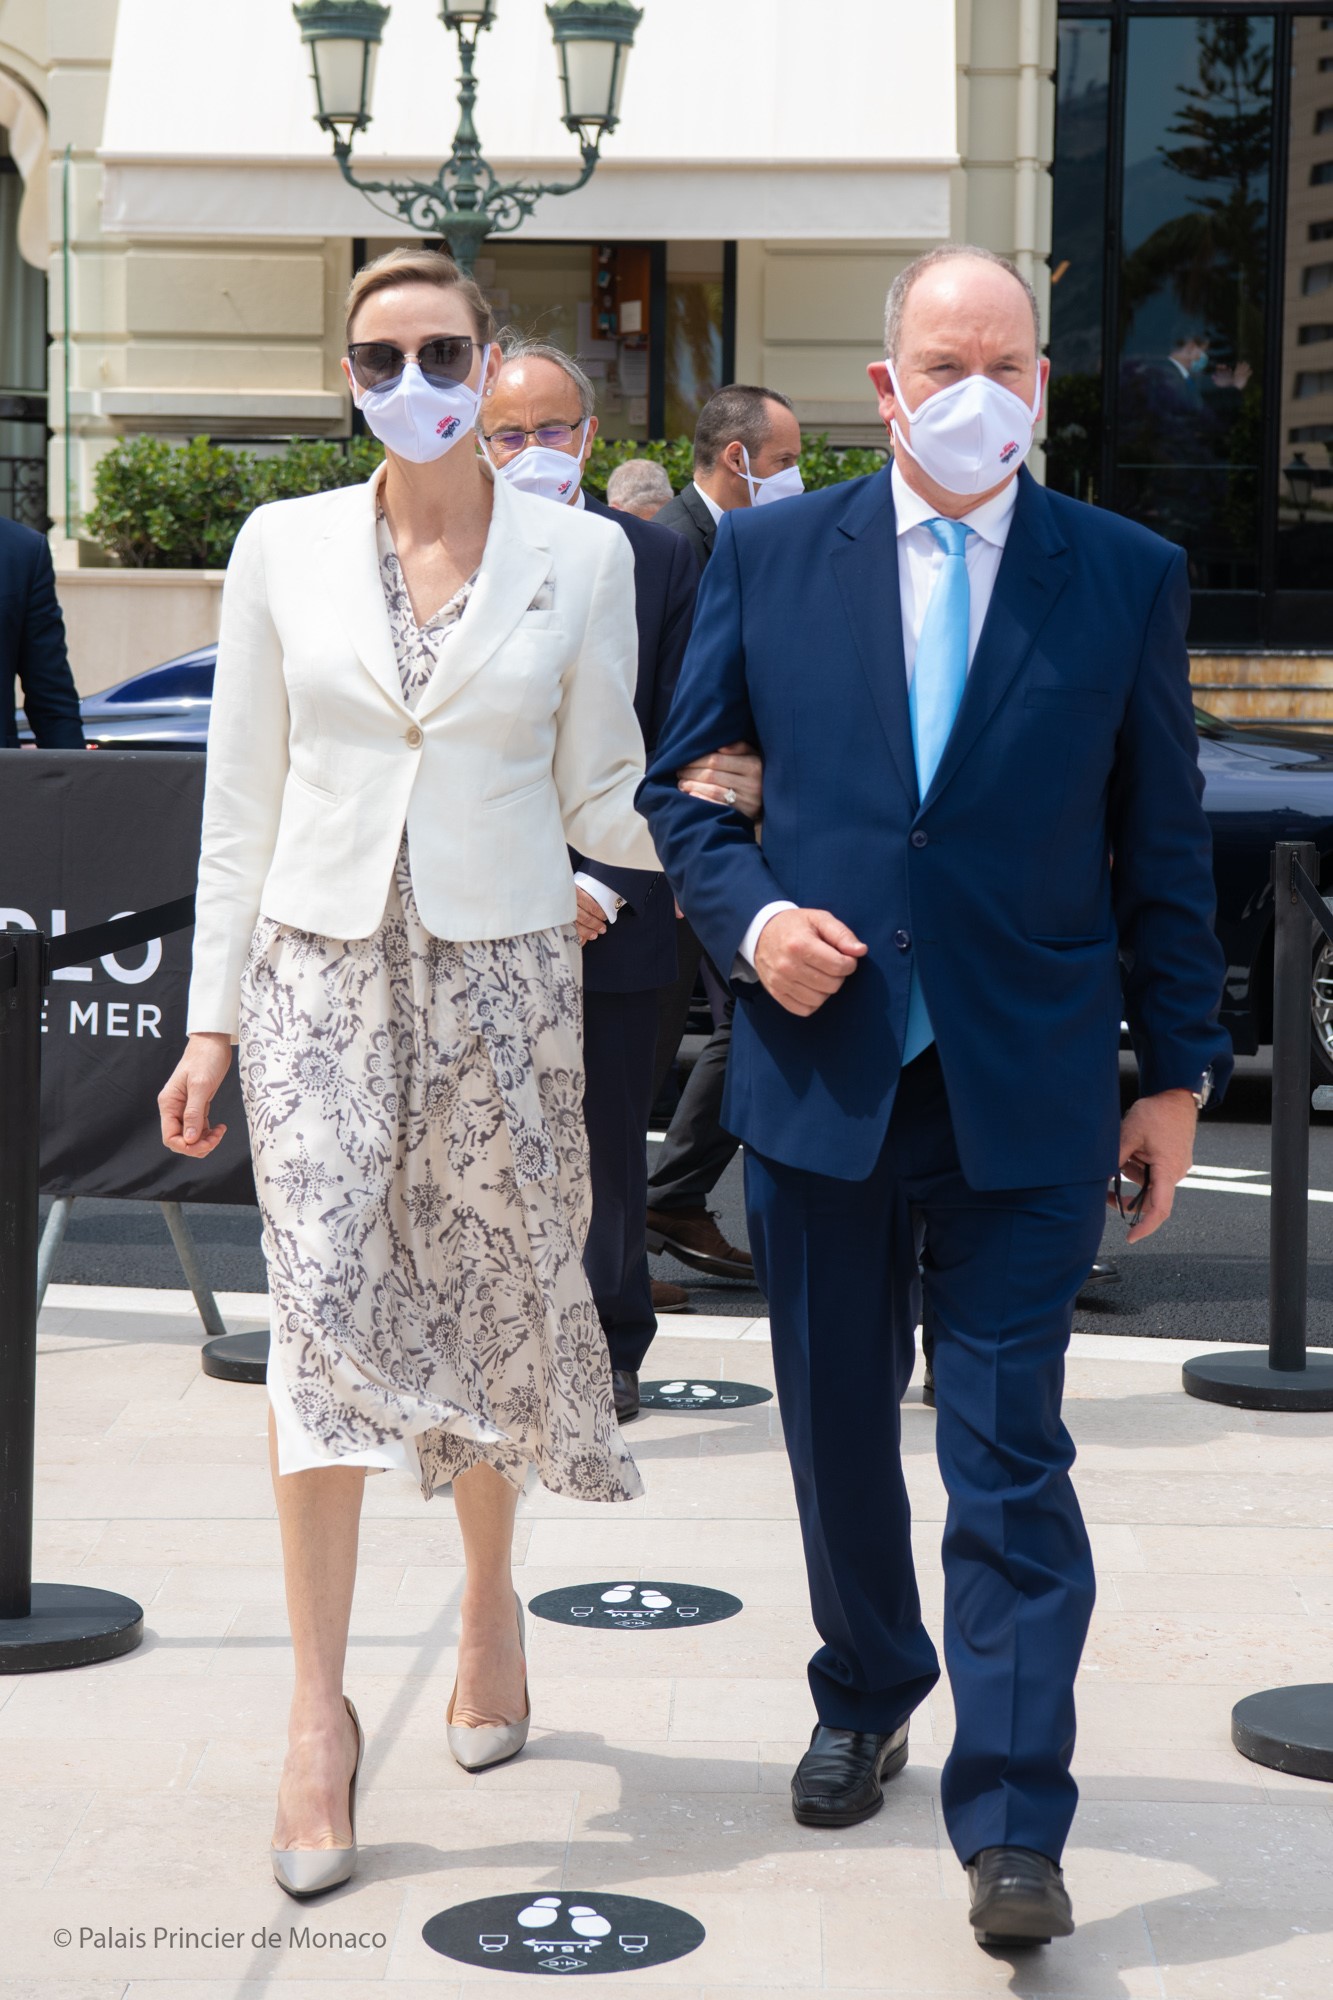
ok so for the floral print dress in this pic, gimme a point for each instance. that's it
(416, 1122)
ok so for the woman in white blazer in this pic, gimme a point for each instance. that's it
(423, 699)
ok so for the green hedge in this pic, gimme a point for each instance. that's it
(166, 506)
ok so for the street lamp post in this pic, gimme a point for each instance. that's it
(1299, 476)
(466, 203)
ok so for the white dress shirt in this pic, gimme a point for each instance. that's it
(710, 503)
(920, 560)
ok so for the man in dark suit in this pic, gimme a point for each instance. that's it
(968, 693)
(32, 645)
(747, 451)
(744, 437)
(538, 426)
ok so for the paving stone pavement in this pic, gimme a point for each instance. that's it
(138, 1794)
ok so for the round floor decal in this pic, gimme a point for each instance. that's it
(578, 1930)
(635, 1607)
(687, 1394)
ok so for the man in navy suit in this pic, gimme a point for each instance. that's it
(971, 696)
(538, 426)
(32, 645)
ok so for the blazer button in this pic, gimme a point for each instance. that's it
(920, 838)
(414, 738)
(902, 940)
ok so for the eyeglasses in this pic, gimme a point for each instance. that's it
(447, 359)
(556, 437)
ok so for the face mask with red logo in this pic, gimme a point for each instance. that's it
(421, 420)
(550, 474)
(970, 436)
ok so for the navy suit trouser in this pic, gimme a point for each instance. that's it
(619, 1036)
(1000, 1271)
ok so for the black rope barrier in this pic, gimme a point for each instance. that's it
(43, 1625)
(121, 933)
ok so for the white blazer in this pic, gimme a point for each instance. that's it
(524, 741)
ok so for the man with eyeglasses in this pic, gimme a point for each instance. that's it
(537, 428)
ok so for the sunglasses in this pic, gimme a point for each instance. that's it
(1131, 1210)
(444, 361)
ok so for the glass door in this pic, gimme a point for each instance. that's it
(1192, 297)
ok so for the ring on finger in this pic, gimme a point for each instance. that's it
(730, 795)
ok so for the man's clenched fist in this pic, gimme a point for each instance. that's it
(803, 956)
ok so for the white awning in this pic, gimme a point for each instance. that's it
(743, 112)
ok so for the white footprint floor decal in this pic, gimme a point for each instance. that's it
(622, 1593)
(544, 1911)
(583, 1920)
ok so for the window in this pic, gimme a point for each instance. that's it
(1194, 297)
(1175, 281)
(1078, 258)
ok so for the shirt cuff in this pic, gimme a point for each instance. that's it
(611, 903)
(744, 965)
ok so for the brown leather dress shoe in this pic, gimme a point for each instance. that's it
(670, 1298)
(695, 1239)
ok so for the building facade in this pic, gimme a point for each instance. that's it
(773, 168)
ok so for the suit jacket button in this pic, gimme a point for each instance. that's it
(902, 940)
(920, 838)
(414, 738)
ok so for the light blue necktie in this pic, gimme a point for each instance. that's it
(938, 680)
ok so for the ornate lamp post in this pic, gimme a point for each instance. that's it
(465, 203)
(1299, 476)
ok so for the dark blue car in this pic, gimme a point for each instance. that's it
(1263, 783)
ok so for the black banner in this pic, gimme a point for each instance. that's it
(86, 836)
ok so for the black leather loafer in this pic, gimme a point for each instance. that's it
(928, 1387)
(625, 1394)
(837, 1782)
(1018, 1897)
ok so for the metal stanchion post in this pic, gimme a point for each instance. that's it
(42, 1625)
(1287, 1377)
(1288, 1729)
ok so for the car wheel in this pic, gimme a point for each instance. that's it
(1321, 1013)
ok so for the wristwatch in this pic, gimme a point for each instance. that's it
(1204, 1089)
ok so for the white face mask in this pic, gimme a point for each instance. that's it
(784, 485)
(550, 474)
(417, 420)
(970, 436)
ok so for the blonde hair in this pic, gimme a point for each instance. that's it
(405, 266)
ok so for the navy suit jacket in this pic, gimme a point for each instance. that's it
(32, 645)
(1074, 740)
(638, 950)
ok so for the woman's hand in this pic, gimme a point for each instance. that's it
(186, 1098)
(736, 768)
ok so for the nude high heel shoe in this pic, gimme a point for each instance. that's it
(493, 1743)
(305, 1871)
